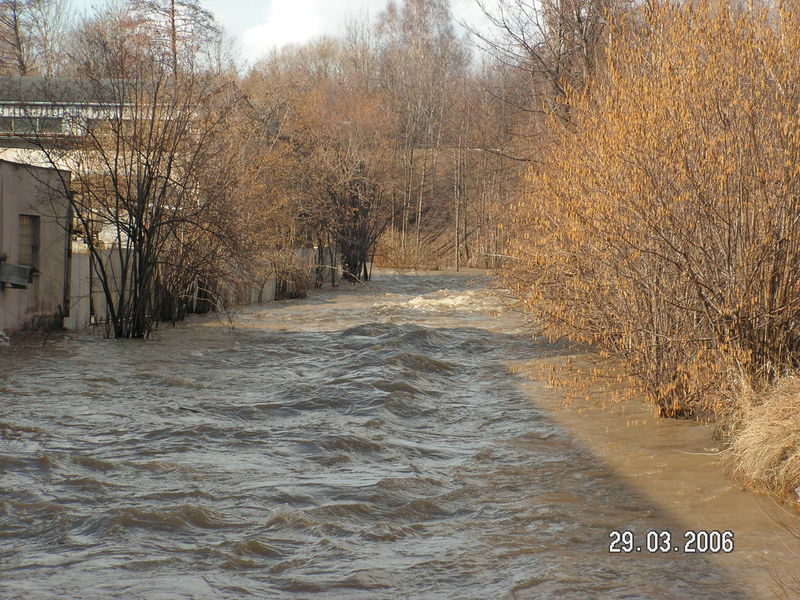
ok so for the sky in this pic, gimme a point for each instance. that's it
(259, 25)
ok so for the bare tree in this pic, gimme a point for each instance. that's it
(333, 131)
(556, 43)
(152, 193)
(32, 36)
(182, 29)
(420, 58)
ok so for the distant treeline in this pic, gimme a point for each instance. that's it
(388, 143)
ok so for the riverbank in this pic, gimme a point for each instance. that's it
(680, 468)
(666, 238)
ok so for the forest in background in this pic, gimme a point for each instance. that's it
(393, 144)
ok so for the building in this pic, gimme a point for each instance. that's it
(34, 247)
(51, 110)
(48, 124)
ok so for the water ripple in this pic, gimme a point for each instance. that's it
(365, 443)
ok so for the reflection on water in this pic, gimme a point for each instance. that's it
(364, 443)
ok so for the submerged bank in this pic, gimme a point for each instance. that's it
(680, 467)
(372, 442)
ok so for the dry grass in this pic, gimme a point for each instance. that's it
(392, 253)
(765, 445)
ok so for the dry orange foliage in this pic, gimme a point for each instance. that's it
(661, 226)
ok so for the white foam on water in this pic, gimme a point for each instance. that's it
(445, 299)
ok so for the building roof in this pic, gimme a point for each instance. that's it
(56, 90)
(33, 164)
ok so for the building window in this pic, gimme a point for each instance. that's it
(98, 126)
(29, 241)
(50, 125)
(31, 125)
(24, 125)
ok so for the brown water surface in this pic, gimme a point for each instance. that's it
(371, 442)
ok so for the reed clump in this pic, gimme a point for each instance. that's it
(766, 444)
(662, 224)
(396, 251)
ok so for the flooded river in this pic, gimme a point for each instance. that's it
(370, 442)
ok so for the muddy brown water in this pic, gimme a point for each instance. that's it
(370, 442)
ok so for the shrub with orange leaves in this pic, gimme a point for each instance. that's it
(662, 225)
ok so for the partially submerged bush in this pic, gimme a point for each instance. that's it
(766, 445)
(661, 226)
(292, 282)
(292, 275)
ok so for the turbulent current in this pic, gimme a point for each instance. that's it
(369, 442)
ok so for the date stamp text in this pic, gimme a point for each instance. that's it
(654, 541)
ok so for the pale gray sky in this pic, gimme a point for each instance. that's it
(259, 25)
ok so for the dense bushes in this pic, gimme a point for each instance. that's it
(661, 225)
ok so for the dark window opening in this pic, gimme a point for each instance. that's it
(50, 125)
(24, 125)
(29, 241)
(31, 125)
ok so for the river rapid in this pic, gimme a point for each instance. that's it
(369, 442)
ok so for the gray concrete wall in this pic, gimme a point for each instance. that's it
(257, 287)
(86, 290)
(263, 279)
(27, 190)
